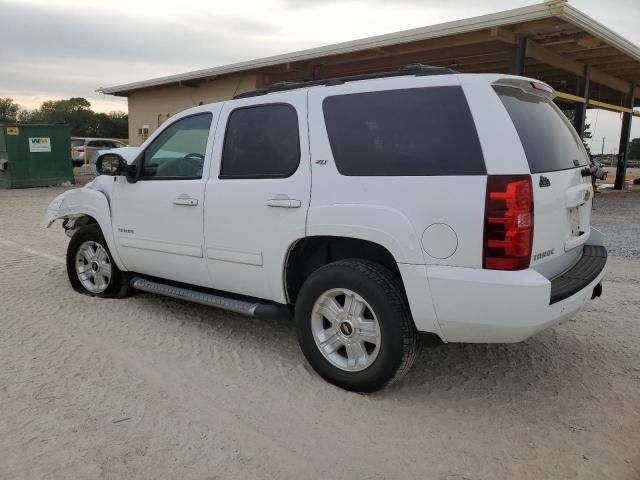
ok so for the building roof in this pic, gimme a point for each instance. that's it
(560, 42)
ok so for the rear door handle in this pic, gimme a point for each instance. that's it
(283, 201)
(186, 200)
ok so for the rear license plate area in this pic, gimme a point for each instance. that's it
(574, 221)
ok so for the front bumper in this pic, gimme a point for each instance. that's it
(491, 306)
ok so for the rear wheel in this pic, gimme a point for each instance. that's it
(90, 267)
(354, 325)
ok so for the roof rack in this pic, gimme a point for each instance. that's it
(417, 70)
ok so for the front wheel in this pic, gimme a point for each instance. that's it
(90, 267)
(354, 325)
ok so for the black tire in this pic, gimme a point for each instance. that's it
(118, 286)
(383, 291)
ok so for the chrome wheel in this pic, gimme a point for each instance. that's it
(345, 329)
(93, 267)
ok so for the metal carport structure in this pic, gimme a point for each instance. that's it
(588, 64)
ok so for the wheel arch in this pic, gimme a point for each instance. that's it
(308, 254)
(87, 206)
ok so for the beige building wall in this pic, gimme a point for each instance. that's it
(153, 106)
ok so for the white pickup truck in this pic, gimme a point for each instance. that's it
(371, 207)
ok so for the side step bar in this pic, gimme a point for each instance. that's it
(254, 309)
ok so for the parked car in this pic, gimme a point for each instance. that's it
(370, 208)
(633, 163)
(89, 148)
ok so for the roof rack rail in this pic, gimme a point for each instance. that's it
(417, 70)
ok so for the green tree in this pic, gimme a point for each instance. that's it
(113, 124)
(8, 110)
(83, 122)
(25, 116)
(75, 112)
(634, 149)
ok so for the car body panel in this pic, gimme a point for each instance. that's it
(92, 200)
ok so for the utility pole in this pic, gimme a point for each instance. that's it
(602, 154)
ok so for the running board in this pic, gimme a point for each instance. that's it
(249, 308)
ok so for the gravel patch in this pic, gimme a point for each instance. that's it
(617, 214)
(149, 387)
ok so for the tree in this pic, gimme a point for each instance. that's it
(113, 124)
(8, 110)
(83, 122)
(75, 112)
(634, 149)
(26, 116)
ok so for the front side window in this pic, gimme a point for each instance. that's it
(178, 152)
(261, 142)
(409, 132)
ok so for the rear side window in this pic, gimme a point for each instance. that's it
(549, 141)
(410, 132)
(261, 142)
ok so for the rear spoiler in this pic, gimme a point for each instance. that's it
(528, 85)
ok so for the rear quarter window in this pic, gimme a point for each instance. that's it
(409, 132)
(549, 141)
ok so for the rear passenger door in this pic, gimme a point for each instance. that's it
(258, 193)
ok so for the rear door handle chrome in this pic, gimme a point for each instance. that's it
(283, 201)
(186, 200)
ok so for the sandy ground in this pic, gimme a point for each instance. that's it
(154, 388)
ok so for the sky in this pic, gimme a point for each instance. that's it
(52, 49)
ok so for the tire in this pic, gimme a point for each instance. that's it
(368, 349)
(88, 253)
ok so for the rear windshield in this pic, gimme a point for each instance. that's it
(77, 143)
(410, 132)
(548, 139)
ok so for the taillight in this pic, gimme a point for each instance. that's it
(79, 149)
(508, 222)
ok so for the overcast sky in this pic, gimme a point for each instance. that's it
(53, 49)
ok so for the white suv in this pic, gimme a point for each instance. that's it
(373, 207)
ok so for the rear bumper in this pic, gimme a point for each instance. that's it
(590, 265)
(490, 306)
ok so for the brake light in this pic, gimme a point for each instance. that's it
(79, 149)
(508, 222)
(543, 87)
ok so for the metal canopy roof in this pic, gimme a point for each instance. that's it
(561, 42)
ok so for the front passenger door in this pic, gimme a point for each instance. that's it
(158, 221)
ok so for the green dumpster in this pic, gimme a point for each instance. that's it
(34, 155)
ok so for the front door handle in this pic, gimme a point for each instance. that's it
(186, 200)
(283, 201)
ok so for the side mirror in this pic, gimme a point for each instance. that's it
(112, 164)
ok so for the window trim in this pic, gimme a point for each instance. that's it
(483, 163)
(222, 176)
(143, 153)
